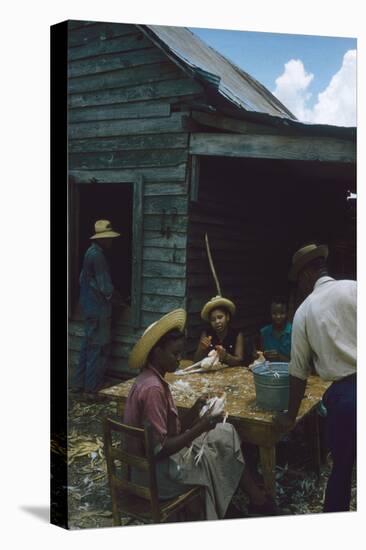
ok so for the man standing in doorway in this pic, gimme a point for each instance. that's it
(96, 291)
(325, 332)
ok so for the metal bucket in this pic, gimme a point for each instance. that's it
(271, 386)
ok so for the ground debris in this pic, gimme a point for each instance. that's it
(299, 491)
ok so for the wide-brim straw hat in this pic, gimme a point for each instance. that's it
(215, 302)
(305, 255)
(174, 320)
(103, 230)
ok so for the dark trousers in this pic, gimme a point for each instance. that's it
(94, 352)
(340, 402)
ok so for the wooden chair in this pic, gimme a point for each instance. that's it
(137, 501)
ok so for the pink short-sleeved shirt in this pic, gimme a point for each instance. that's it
(150, 399)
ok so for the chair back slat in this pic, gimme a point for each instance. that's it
(118, 426)
(131, 460)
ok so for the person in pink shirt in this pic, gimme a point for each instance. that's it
(177, 441)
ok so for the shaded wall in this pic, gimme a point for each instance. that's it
(256, 214)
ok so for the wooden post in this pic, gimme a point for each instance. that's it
(195, 174)
(73, 245)
(137, 243)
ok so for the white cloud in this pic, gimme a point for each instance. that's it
(292, 88)
(335, 105)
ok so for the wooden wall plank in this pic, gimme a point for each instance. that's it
(171, 287)
(108, 128)
(161, 304)
(154, 222)
(131, 142)
(163, 270)
(124, 176)
(172, 255)
(136, 41)
(171, 206)
(126, 159)
(157, 240)
(156, 72)
(153, 189)
(98, 32)
(274, 147)
(108, 62)
(148, 317)
(171, 86)
(233, 125)
(129, 110)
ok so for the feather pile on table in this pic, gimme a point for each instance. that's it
(207, 364)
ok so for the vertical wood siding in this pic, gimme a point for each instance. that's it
(127, 121)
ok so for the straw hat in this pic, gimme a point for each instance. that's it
(174, 320)
(217, 301)
(103, 230)
(305, 255)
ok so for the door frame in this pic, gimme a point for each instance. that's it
(137, 246)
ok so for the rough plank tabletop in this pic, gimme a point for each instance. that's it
(238, 384)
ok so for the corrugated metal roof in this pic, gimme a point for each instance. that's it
(233, 86)
(230, 81)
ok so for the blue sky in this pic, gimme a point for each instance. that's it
(264, 55)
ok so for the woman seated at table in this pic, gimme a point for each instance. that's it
(275, 338)
(221, 468)
(219, 335)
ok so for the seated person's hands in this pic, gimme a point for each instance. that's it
(200, 402)
(210, 420)
(205, 342)
(221, 353)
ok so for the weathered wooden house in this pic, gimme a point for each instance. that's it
(169, 140)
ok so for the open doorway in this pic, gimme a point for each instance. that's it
(112, 202)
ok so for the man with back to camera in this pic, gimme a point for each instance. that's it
(325, 331)
(96, 295)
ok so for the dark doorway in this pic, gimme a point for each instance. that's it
(112, 202)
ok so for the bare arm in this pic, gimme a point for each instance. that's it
(192, 415)
(202, 348)
(284, 422)
(297, 392)
(238, 357)
(176, 443)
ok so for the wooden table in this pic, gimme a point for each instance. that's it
(253, 424)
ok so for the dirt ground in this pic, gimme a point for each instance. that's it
(89, 503)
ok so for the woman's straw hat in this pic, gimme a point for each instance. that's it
(103, 230)
(305, 255)
(174, 320)
(217, 301)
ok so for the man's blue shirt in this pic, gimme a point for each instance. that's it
(96, 286)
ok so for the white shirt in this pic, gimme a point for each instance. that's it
(324, 331)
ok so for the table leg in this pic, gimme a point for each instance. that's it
(267, 457)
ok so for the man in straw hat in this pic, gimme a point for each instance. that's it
(177, 441)
(324, 332)
(96, 291)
